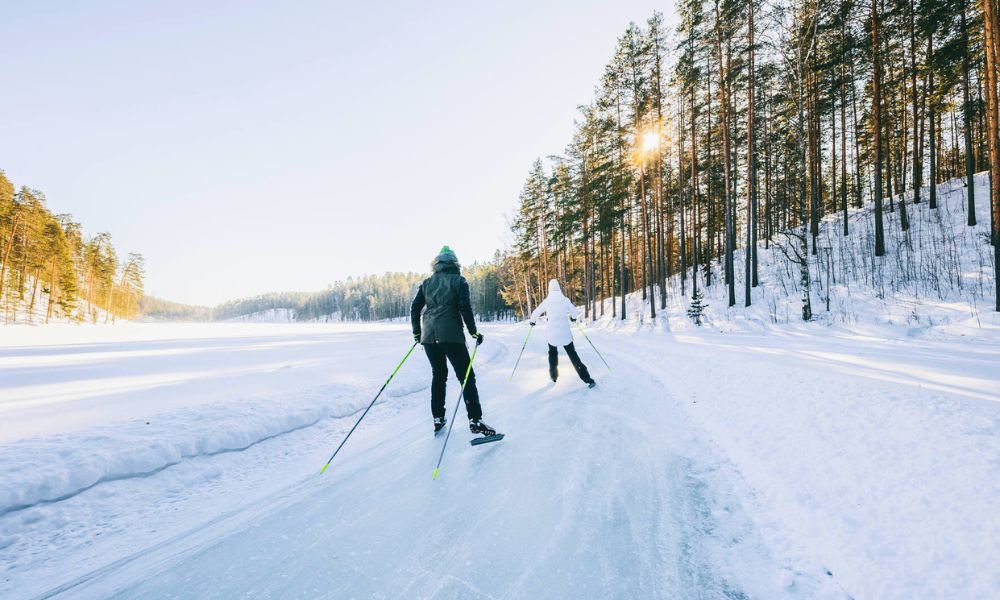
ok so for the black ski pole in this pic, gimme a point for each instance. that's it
(523, 346)
(593, 346)
(384, 385)
(455, 413)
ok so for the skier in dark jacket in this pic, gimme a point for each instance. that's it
(445, 294)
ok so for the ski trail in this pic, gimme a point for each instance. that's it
(594, 493)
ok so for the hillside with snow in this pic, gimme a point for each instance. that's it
(35, 310)
(936, 280)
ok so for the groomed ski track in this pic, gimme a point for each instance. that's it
(604, 493)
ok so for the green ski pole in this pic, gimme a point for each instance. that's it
(523, 346)
(455, 413)
(384, 385)
(593, 346)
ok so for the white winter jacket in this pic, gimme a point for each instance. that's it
(559, 309)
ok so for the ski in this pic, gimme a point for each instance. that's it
(486, 439)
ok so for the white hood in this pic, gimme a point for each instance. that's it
(554, 289)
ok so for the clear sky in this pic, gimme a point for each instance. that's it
(246, 147)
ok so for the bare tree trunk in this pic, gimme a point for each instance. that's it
(751, 168)
(6, 254)
(877, 130)
(858, 203)
(52, 293)
(992, 50)
(803, 216)
(812, 140)
(680, 194)
(695, 208)
(933, 134)
(713, 239)
(843, 148)
(726, 149)
(647, 266)
(34, 293)
(967, 114)
(917, 162)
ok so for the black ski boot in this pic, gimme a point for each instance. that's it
(553, 374)
(477, 426)
(591, 384)
(439, 423)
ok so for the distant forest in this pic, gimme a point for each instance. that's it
(368, 298)
(50, 269)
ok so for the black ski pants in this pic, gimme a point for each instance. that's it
(458, 355)
(581, 369)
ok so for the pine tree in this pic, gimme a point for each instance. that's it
(697, 307)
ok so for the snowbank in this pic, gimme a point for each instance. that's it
(144, 397)
(41, 470)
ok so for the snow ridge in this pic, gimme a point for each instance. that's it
(41, 471)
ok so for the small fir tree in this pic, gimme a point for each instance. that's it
(697, 307)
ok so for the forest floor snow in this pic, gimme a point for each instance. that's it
(166, 460)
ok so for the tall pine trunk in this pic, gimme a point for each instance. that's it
(727, 166)
(751, 170)
(803, 216)
(933, 134)
(967, 116)
(680, 195)
(917, 159)
(877, 130)
(843, 148)
(992, 50)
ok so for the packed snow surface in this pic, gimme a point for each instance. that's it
(180, 461)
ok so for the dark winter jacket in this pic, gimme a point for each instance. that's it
(445, 294)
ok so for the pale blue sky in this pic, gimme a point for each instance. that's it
(246, 147)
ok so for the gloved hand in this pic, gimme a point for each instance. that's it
(478, 337)
(573, 319)
(532, 323)
(416, 336)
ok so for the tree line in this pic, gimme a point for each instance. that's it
(747, 125)
(356, 299)
(50, 269)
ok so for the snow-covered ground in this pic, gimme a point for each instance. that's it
(936, 280)
(182, 460)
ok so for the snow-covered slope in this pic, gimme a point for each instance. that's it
(811, 464)
(16, 311)
(936, 280)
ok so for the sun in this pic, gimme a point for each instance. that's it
(650, 141)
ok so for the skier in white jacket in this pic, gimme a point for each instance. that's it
(561, 311)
